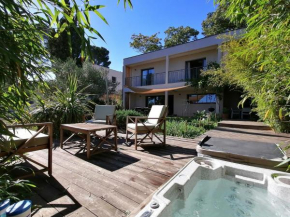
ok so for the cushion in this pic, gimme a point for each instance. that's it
(24, 134)
(157, 111)
(140, 126)
(101, 111)
(96, 121)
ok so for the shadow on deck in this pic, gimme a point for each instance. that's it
(116, 183)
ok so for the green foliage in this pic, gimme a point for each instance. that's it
(217, 22)
(190, 127)
(174, 36)
(121, 116)
(94, 79)
(258, 61)
(63, 106)
(145, 44)
(100, 56)
(24, 57)
(59, 47)
(179, 35)
(10, 188)
(209, 80)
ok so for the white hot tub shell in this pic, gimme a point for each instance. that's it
(203, 168)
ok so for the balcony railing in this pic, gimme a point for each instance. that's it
(159, 78)
(183, 75)
(151, 79)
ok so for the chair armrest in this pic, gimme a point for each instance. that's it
(48, 124)
(30, 125)
(139, 117)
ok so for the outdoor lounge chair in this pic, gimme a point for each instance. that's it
(245, 112)
(27, 140)
(235, 112)
(154, 123)
(104, 114)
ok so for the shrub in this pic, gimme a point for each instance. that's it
(121, 116)
(188, 127)
(63, 107)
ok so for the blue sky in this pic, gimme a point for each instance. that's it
(146, 17)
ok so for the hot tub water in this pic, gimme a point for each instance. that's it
(225, 198)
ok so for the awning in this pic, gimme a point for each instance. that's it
(150, 91)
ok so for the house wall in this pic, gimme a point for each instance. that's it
(181, 108)
(175, 63)
(179, 62)
(158, 68)
(113, 73)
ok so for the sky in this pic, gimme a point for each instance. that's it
(147, 17)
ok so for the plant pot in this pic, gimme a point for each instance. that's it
(225, 116)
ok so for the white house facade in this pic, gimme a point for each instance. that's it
(160, 78)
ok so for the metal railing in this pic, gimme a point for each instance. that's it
(151, 79)
(182, 75)
(175, 76)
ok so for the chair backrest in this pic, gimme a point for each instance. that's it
(157, 111)
(101, 111)
(246, 110)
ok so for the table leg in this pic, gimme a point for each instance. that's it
(61, 138)
(88, 145)
(115, 132)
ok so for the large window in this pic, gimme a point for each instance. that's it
(154, 100)
(147, 77)
(114, 80)
(201, 98)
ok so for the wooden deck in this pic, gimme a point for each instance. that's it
(119, 184)
(244, 124)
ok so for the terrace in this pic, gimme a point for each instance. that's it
(120, 184)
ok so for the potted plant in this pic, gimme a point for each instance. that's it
(226, 112)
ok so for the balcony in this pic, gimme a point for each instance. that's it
(151, 79)
(175, 76)
(182, 75)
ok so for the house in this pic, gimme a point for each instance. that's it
(160, 78)
(114, 76)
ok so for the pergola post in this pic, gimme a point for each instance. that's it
(166, 78)
(166, 98)
(166, 69)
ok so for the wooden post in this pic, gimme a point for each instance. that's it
(164, 139)
(116, 145)
(50, 131)
(88, 145)
(61, 137)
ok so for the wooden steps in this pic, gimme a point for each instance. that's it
(244, 125)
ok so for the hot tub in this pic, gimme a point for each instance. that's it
(208, 187)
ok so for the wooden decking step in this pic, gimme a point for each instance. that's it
(244, 125)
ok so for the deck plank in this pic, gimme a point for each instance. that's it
(114, 184)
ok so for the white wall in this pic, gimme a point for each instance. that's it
(115, 73)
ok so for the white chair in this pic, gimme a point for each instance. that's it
(245, 111)
(154, 123)
(104, 114)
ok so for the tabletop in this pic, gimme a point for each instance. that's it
(87, 126)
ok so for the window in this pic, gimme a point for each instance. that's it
(201, 98)
(147, 77)
(114, 79)
(154, 100)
